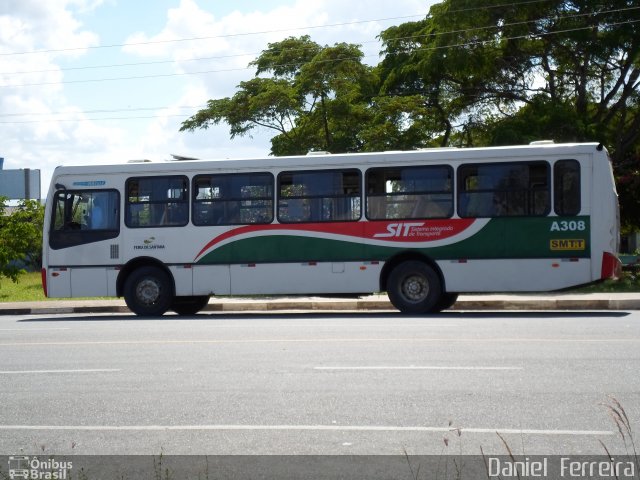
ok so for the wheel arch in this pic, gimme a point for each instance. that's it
(397, 259)
(136, 263)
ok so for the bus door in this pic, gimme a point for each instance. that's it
(84, 244)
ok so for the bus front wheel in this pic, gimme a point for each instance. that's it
(414, 287)
(148, 292)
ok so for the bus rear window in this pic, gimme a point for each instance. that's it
(566, 187)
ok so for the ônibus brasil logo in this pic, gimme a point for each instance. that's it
(32, 468)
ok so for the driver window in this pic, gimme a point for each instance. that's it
(88, 210)
(84, 216)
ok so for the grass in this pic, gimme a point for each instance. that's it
(28, 289)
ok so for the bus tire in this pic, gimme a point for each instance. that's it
(148, 291)
(189, 305)
(414, 287)
(447, 300)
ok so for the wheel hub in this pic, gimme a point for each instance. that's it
(148, 291)
(415, 288)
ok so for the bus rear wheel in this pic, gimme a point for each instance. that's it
(148, 292)
(414, 287)
(189, 305)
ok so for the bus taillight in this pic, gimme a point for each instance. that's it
(611, 266)
(43, 272)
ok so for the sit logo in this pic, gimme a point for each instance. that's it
(401, 229)
(32, 468)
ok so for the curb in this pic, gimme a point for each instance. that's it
(473, 303)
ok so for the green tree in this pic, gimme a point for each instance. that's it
(475, 62)
(398, 123)
(628, 183)
(20, 237)
(315, 97)
(539, 119)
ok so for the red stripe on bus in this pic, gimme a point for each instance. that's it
(399, 231)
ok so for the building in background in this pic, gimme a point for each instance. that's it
(19, 184)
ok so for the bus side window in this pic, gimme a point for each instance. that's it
(157, 201)
(319, 196)
(232, 199)
(409, 192)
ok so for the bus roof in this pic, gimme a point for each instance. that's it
(317, 159)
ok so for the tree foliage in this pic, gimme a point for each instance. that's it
(314, 98)
(20, 238)
(500, 62)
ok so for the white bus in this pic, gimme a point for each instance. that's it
(421, 225)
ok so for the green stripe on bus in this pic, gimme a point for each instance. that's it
(537, 237)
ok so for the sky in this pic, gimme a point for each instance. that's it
(87, 82)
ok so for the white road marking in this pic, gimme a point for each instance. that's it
(358, 428)
(30, 329)
(326, 340)
(328, 325)
(88, 370)
(418, 367)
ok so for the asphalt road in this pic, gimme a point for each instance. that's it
(318, 383)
